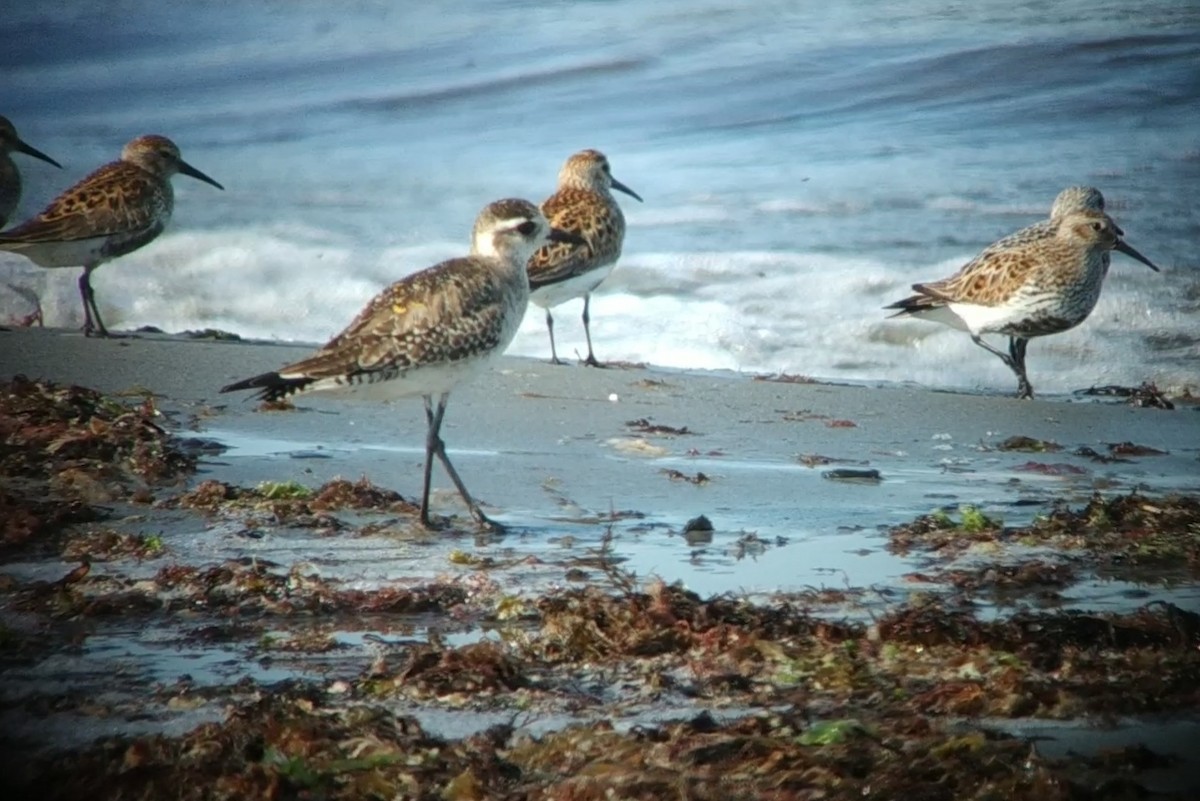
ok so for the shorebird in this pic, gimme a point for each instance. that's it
(583, 204)
(115, 210)
(431, 330)
(1073, 198)
(10, 177)
(1035, 285)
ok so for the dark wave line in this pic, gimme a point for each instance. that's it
(410, 100)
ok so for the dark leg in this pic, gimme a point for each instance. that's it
(85, 288)
(434, 446)
(590, 361)
(550, 328)
(429, 437)
(1015, 363)
(91, 315)
(1016, 349)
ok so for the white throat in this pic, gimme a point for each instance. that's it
(485, 244)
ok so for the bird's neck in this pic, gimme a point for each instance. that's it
(507, 256)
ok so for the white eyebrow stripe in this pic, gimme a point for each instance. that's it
(511, 222)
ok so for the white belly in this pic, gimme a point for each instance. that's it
(984, 319)
(430, 380)
(74, 253)
(575, 287)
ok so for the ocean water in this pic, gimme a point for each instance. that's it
(802, 164)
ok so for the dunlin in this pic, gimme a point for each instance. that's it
(583, 205)
(1027, 285)
(10, 177)
(1073, 198)
(431, 330)
(115, 210)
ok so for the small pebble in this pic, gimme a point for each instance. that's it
(850, 474)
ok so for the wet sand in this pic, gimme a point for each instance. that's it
(546, 447)
(528, 418)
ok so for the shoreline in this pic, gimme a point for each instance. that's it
(536, 443)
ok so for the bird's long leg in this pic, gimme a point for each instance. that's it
(430, 436)
(550, 328)
(1016, 349)
(590, 361)
(1004, 357)
(434, 446)
(85, 288)
(91, 314)
(1023, 388)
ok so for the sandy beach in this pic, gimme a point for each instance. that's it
(787, 546)
(527, 423)
(568, 458)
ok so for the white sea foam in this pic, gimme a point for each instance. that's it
(798, 175)
(750, 311)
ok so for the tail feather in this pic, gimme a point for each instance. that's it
(272, 386)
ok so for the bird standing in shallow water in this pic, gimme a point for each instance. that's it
(583, 205)
(1027, 285)
(431, 330)
(10, 177)
(118, 208)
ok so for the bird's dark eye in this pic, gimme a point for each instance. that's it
(1097, 226)
(527, 228)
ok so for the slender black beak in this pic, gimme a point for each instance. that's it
(620, 187)
(30, 150)
(188, 169)
(559, 235)
(1128, 250)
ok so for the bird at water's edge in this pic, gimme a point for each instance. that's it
(1043, 280)
(584, 205)
(429, 331)
(113, 211)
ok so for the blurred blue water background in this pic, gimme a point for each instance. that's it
(802, 163)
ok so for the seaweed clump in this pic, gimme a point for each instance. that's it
(292, 503)
(64, 449)
(857, 711)
(1124, 531)
(49, 429)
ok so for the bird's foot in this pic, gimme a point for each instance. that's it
(104, 333)
(29, 320)
(486, 524)
(483, 523)
(90, 330)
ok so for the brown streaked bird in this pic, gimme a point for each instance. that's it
(1073, 198)
(583, 205)
(116, 210)
(10, 176)
(1025, 287)
(431, 330)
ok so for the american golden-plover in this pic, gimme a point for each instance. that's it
(431, 330)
